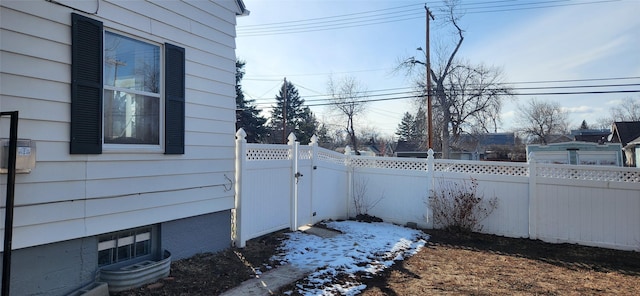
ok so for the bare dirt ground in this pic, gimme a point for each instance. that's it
(477, 264)
(450, 264)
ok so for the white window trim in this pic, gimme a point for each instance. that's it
(108, 148)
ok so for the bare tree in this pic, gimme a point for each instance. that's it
(627, 110)
(475, 94)
(349, 98)
(467, 97)
(540, 119)
(442, 100)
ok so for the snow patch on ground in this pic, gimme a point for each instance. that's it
(362, 248)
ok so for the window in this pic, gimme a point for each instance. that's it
(131, 91)
(119, 91)
(124, 246)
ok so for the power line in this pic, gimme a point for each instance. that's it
(515, 94)
(375, 93)
(404, 93)
(375, 70)
(375, 17)
(325, 97)
(574, 80)
(279, 76)
(329, 19)
(325, 17)
(316, 29)
(543, 6)
(341, 21)
(393, 97)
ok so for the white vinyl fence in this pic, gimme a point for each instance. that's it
(288, 186)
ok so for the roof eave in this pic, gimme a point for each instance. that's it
(242, 9)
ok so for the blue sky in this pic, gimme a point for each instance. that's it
(531, 41)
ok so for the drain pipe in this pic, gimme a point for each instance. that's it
(8, 216)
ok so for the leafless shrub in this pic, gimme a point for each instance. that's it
(458, 207)
(361, 204)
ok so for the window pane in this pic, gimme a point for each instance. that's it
(143, 243)
(123, 246)
(130, 63)
(131, 118)
(124, 253)
(143, 248)
(104, 257)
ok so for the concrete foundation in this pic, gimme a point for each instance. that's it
(64, 267)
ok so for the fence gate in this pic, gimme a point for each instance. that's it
(273, 188)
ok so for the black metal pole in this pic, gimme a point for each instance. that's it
(8, 215)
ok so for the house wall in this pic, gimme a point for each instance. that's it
(72, 196)
(200, 234)
(585, 153)
(54, 269)
(62, 267)
(67, 201)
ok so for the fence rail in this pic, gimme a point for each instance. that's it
(287, 186)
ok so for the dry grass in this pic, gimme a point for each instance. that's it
(490, 265)
(450, 264)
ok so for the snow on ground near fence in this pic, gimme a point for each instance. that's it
(361, 248)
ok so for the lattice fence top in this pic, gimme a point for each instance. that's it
(330, 156)
(482, 168)
(305, 152)
(387, 163)
(268, 153)
(612, 174)
(258, 152)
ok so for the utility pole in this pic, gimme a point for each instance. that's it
(428, 75)
(284, 112)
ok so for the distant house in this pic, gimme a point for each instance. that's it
(489, 146)
(634, 145)
(625, 133)
(557, 138)
(409, 149)
(575, 152)
(131, 106)
(370, 148)
(364, 150)
(590, 135)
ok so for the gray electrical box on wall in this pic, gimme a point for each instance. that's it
(25, 158)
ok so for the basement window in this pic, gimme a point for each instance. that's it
(124, 246)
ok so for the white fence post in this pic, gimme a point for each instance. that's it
(314, 165)
(533, 207)
(430, 173)
(294, 146)
(348, 156)
(237, 222)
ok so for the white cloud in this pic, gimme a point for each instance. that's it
(582, 109)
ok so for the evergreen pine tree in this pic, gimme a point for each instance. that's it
(300, 120)
(247, 115)
(584, 125)
(406, 127)
(413, 128)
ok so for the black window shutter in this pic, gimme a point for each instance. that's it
(174, 99)
(86, 85)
